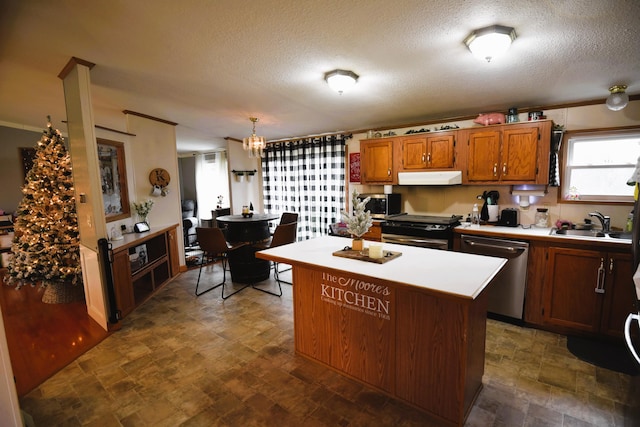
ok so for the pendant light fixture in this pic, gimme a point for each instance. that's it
(341, 80)
(618, 99)
(490, 42)
(254, 144)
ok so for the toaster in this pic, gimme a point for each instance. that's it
(509, 217)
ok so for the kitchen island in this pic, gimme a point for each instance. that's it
(413, 326)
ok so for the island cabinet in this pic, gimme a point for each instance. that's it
(588, 290)
(142, 264)
(377, 161)
(427, 151)
(507, 154)
(413, 327)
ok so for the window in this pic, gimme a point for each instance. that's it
(599, 164)
(212, 182)
(307, 177)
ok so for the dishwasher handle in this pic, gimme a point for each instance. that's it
(510, 249)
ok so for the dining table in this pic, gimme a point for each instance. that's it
(247, 229)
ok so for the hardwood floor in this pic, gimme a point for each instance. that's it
(44, 338)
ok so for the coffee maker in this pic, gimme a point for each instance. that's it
(489, 212)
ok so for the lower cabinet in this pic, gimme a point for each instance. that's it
(374, 233)
(143, 263)
(587, 290)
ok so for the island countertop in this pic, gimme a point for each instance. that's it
(460, 274)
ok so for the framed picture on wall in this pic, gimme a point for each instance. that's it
(113, 180)
(354, 167)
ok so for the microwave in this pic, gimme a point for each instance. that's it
(382, 205)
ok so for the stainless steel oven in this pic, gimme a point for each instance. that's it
(434, 232)
(422, 242)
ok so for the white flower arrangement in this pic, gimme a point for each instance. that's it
(143, 208)
(360, 222)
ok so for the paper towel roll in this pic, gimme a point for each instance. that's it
(388, 189)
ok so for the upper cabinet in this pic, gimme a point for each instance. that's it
(508, 154)
(377, 161)
(425, 152)
(499, 154)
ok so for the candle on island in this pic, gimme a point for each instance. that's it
(375, 250)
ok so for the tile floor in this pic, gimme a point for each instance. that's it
(181, 360)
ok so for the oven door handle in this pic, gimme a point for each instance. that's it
(404, 240)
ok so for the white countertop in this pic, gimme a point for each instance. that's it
(531, 231)
(455, 273)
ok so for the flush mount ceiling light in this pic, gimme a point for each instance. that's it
(341, 80)
(254, 144)
(618, 99)
(490, 42)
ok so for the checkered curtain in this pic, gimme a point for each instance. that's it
(308, 177)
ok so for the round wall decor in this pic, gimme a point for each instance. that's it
(159, 177)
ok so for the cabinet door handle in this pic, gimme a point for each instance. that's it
(388, 172)
(600, 282)
(422, 157)
(429, 157)
(495, 169)
(610, 265)
(504, 169)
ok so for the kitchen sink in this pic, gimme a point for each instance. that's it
(571, 232)
(620, 235)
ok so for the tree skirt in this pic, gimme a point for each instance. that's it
(61, 293)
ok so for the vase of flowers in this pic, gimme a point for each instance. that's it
(359, 222)
(143, 209)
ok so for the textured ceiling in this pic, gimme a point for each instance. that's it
(209, 65)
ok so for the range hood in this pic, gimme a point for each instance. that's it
(430, 178)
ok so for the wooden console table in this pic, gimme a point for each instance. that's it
(142, 264)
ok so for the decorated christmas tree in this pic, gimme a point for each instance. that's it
(45, 249)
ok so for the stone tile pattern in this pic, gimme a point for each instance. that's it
(185, 361)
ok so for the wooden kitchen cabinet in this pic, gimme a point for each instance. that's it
(377, 161)
(620, 295)
(508, 154)
(587, 290)
(425, 152)
(374, 233)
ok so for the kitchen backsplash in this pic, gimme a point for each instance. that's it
(459, 200)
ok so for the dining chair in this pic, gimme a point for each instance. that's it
(215, 213)
(285, 218)
(284, 234)
(214, 245)
(288, 218)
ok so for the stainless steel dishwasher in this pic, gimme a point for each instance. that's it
(506, 295)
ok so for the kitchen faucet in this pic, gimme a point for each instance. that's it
(605, 220)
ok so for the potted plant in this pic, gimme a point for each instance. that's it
(143, 209)
(359, 222)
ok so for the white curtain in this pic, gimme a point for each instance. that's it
(212, 181)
